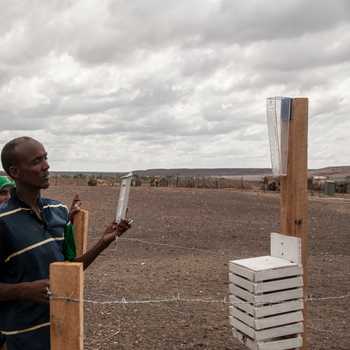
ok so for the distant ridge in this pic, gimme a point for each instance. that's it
(204, 172)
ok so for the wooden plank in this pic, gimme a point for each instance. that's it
(279, 320)
(294, 195)
(247, 307)
(66, 306)
(239, 270)
(242, 316)
(264, 268)
(278, 273)
(266, 310)
(243, 294)
(248, 331)
(279, 308)
(263, 287)
(249, 343)
(276, 297)
(267, 322)
(277, 285)
(267, 334)
(81, 228)
(296, 328)
(285, 344)
(242, 282)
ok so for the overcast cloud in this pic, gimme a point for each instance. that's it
(122, 85)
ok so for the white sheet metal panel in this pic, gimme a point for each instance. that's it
(286, 247)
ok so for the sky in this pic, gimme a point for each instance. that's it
(132, 84)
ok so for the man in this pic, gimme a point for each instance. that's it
(5, 188)
(6, 185)
(31, 237)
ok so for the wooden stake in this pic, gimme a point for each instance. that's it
(81, 228)
(66, 306)
(294, 195)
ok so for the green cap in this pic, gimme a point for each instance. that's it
(6, 182)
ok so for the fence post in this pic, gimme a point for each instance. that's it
(66, 306)
(81, 228)
(294, 195)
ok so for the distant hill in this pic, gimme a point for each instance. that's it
(204, 172)
(334, 171)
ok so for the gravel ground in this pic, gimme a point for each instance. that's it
(178, 251)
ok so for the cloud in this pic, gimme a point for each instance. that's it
(116, 85)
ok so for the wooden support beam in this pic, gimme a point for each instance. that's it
(294, 195)
(81, 228)
(66, 306)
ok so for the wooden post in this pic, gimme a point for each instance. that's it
(81, 228)
(66, 306)
(294, 195)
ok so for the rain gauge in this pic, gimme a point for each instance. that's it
(122, 207)
(278, 113)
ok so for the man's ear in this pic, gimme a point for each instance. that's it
(14, 172)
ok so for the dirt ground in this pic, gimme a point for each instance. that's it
(179, 248)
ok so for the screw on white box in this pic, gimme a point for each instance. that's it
(123, 201)
(278, 114)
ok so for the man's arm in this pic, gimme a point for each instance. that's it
(26, 291)
(36, 291)
(111, 233)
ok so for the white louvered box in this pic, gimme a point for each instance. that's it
(266, 298)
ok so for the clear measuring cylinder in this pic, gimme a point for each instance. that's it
(278, 114)
(123, 200)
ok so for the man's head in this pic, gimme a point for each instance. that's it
(5, 187)
(25, 161)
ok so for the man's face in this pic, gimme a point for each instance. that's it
(31, 168)
(5, 194)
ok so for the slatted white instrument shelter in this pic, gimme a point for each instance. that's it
(266, 297)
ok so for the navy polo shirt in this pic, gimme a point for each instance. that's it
(28, 245)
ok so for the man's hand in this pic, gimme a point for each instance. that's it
(36, 291)
(75, 207)
(114, 230)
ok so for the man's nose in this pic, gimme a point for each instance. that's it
(46, 165)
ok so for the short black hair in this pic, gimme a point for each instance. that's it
(8, 153)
